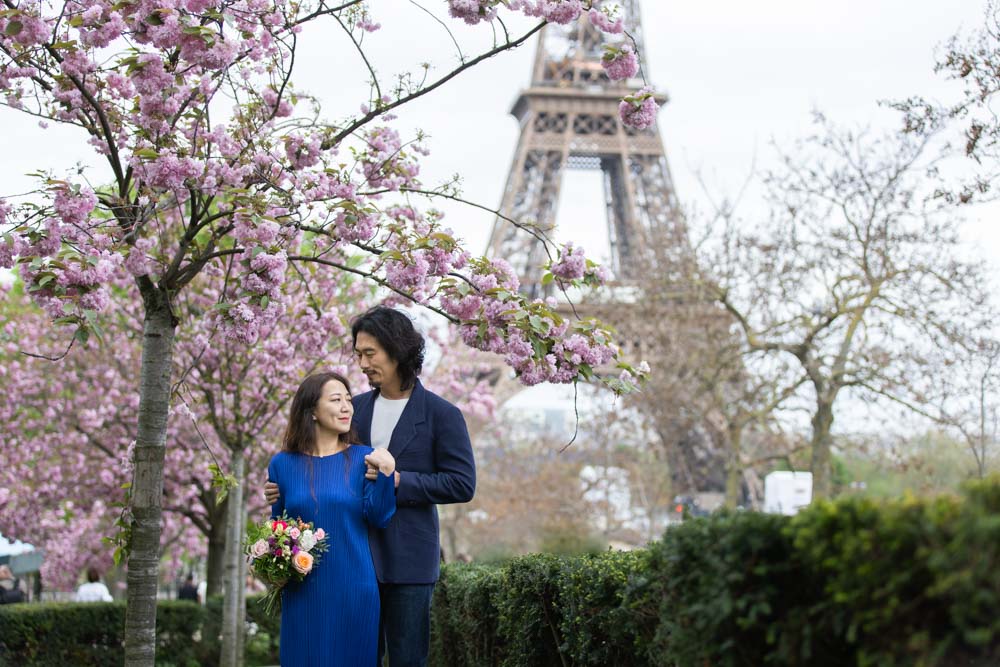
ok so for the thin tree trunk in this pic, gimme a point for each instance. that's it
(217, 549)
(241, 637)
(232, 609)
(147, 487)
(822, 424)
(734, 467)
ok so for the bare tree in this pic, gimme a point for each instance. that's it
(709, 385)
(965, 400)
(853, 276)
(974, 61)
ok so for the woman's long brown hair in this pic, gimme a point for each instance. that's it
(300, 435)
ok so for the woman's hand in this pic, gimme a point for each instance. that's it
(382, 460)
(271, 493)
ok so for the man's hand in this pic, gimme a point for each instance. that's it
(372, 474)
(380, 460)
(271, 492)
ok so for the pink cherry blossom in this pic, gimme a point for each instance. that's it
(620, 63)
(639, 110)
(604, 22)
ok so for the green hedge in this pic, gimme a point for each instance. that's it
(464, 617)
(539, 610)
(92, 634)
(854, 582)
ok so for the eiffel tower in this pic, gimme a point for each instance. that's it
(569, 120)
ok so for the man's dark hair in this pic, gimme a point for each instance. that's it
(395, 332)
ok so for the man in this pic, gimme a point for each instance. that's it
(10, 587)
(428, 438)
(188, 591)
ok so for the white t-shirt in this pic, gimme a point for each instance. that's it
(93, 591)
(385, 416)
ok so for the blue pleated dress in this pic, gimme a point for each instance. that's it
(331, 618)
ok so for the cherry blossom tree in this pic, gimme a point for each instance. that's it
(214, 161)
(229, 399)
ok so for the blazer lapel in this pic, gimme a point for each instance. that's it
(406, 427)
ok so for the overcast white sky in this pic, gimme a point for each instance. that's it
(737, 73)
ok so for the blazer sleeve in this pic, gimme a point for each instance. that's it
(273, 475)
(454, 476)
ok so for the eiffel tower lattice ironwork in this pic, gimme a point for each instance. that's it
(569, 120)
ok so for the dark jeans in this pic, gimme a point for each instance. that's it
(405, 634)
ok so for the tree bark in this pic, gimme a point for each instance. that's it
(241, 634)
(217, 549)
(734, 467)
(147, 486)
(233, 611)
(822, 423)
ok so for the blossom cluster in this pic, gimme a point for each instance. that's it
(620, 62)
(574, 268)
(639, 110)
(607, 19)
(534, 339)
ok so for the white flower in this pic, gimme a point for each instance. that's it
(307, 540)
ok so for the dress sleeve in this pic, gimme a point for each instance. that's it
(380, 500)
(273, 476)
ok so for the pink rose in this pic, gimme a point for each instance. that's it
(259, 548)
(294, 533)
(319, 534)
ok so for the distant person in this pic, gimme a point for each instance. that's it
(10, 587)
(94, 590)
(188, 591)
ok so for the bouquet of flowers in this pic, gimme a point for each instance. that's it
(282, 550)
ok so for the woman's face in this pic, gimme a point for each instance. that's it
(334, 410)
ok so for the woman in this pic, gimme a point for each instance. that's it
(332, 616)
(94, 590)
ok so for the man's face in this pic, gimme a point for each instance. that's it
(374, 361)
(5, 572)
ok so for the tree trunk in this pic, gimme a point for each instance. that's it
(734, 467)
(241, 634)
(147, 486)
(217, 549)
(822, 423)
(232, 607)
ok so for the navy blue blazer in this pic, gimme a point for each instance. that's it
(434, 458)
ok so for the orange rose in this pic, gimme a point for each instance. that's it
(302, 562)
